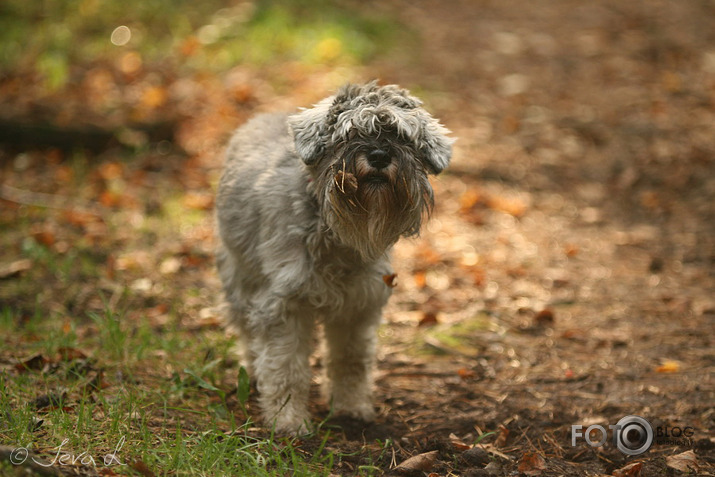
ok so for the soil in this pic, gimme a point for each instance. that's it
(566, 276)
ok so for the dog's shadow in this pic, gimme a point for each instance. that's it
(354, 429)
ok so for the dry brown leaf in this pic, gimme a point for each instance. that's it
(545, 317)
(346, 182)
(390, 280)
(419, 462)
(466, 374)
(15, 268)
(429, 318)
(458, 444)
(43, 235)
(501, 438)
(70, 354)
(35, 363)
(630, 470)
(685, 462)
(531, 463)
(142, 468)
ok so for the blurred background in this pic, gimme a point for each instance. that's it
(577, 217)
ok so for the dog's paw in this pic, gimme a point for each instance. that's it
(363, 411)
(292, 424)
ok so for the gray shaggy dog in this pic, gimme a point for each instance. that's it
(309, 206)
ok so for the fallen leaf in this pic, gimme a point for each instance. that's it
(390, 280)
(465, 373)
(685, 462)
(501, 438)
(43, 235)
(429, 318)
(468, 200)
(427, 256)
(34, 363)
(531, 463)
(630, 470)
(15, 268)
(545, 317)
(668, 366)
(420, 462)
(199, 200)
(511, 206)
(142, 468)
(81, 219)
(458, 444)
(346, 182)
(420, 278)
(70, 354)
(571, 250)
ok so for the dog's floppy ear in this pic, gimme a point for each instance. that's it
(310, 131)
(436, 146)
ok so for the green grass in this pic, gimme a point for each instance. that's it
(187, 421)
(53, 39)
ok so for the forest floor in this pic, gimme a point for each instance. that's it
(566, 277)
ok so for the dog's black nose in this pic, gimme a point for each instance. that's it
(378, 159)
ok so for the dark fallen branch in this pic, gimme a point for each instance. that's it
(23, 135)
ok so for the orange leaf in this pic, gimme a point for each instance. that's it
(390, 280)
(668, 366)
(420, 277)
(514, 207)
(154, 97)
(199, 201)
(531, 463)
(465, 373)
(468, 200)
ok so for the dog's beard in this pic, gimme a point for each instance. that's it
(368, 210)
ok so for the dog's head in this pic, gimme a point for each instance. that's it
(369, 150)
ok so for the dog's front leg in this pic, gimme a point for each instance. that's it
(282, 371)
(351, 345)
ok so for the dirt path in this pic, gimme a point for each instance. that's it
(569, 264)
